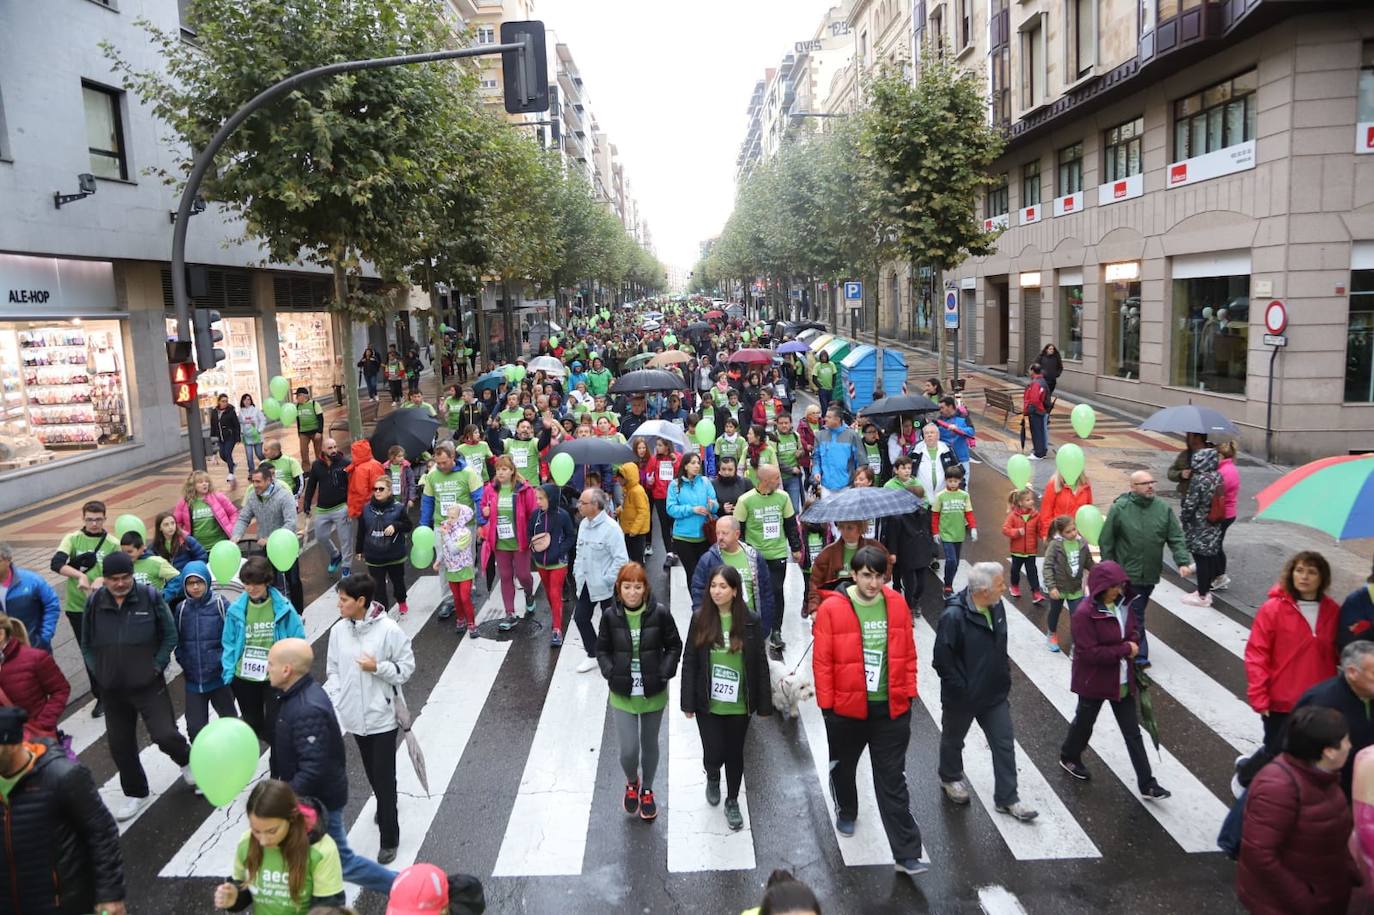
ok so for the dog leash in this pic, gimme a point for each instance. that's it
(803, 655)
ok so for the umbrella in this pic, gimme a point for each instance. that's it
(1336, 497)
(668, 357)
(714, 314)
(594, 451)
(647, 380)
(661, 428)
(649, 325)
(900, 404)
(637, 360)
(1191, 418)
(491, 380)
(698, 327)
(861, 504)
(654, 315)
(404, 721)
(758, 356)
(549, 365)
(1143, 683)
(412, 429)
(794, 346)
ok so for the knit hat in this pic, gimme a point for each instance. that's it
(118, 563)
(12, 719)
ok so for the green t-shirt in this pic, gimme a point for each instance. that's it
(845, 570)
(152, 570)
(452, 488)
(395, 472)
(766, 456)
(259, 632)
(453, 407)
(204, 527)
(763, 517)
(287, 470)
(739, 561)
(308, 417)
(873, 456)
(525, 455)
(74, 545)
(511, 418)
(873, 622)
(786, 447)
(727, 675)
(729, 448)
(505, 521)
(475, 456)
(272, 883)
(825, 375)
(951, 506)
(411, 405)
(637, 703)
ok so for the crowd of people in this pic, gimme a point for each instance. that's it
(715, 470)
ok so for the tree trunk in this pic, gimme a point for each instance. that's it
(355, 411)
(436, 335)
(479, 329)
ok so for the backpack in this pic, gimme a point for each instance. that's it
(1229, 839)
(1216, 512)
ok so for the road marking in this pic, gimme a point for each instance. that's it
(1217, 626)
(1053, 834)
(698, 837)
(1213, 704)
(997, 900)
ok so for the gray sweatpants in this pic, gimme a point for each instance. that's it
(638, 736)
(331, 523)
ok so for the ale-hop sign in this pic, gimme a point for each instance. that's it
(1119, 190)
(1238, 158)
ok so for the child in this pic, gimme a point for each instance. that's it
(951, 519)
(551, 539)
(907, 537)
(1067, 560)
(455, 560)
(149, 568)
(402, 477)
(1022, 528)
(200, 649)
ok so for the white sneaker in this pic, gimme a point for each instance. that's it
(586, 665)
(956, 791)
(188, 776)
(1221, 582)
(228, 478)
(129, 809)
(1193, 599)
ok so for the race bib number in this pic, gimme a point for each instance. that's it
(873, 669)
(505, 529)
(665, 470)
(871, 530)
(680, 423)
(521, 457)
(875, 463)
(772, 529)
(636, 679)
(724, 683)
(254, 664)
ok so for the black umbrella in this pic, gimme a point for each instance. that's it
(594, 451)
(862, 503)
(413, 428)
(698, 327)
(900, 405)
(647, 380)
(1191, 418)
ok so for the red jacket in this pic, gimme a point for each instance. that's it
(838, 658)
(1034, 399)
(758, 416)
(1283, 657)
(1024, 535)
(1062, 500)
(656, 483)
(362, 473)
(32, 681)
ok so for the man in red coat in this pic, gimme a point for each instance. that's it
(864, 664)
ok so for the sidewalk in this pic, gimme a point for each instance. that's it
(1256, 550)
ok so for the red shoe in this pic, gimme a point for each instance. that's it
(647, 808)
(632, 797)
(1037, 598)
(402, 609)
(1014, 590)
(948, 591)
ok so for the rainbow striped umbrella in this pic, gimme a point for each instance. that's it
(1334, 495)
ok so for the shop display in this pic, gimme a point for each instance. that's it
(307, 351)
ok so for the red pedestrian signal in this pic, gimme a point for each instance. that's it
(183, 383)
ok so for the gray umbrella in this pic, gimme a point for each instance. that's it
(1187, 418)
(404, 721)
(861, 504)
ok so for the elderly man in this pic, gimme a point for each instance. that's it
(766, 514)
(28, 597)
(1137, 529)
(270, 503)
(327, 485)
(975, 680)
(600, 556)
(832, 566)
(746, 560)
(1350, 692)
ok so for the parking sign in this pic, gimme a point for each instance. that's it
(853, 291)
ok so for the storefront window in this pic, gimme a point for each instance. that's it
(307, 351)
(1122, 319)
(1071, 320)
(1359, 339)
(239, 373)
(64, 389)
(1211, 333)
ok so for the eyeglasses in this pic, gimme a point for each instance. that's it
(380, 489)
(1143, 483)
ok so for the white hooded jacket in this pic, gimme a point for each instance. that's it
(365, 700)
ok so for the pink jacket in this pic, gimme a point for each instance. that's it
(226, 513)
(1230, 480)
(524, 507)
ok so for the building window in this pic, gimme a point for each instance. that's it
(1359, 339)
(1071, 319)
(863, 49)
(1001, 86)
(1070, 176)
(1122, 313)
(1030, 183)
(188, 27)
(105, 132)
(997, 200)
(1215, 118)
(937, 31)
(1033, 62)
(963, 24)
(1121, 150)
(488, 84)
(1366, 90)
(1212, 335)
(486, 34)
(1080, 45)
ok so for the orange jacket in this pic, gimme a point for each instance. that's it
(1061, 500)
(362, 473)
(838, 659)
(1023, 534)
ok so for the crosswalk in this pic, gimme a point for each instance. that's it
(549, 824)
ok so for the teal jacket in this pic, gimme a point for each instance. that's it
(288, 626)
(1136, 531)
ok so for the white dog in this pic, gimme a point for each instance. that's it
(790, 688)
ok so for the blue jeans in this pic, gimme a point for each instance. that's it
(365, 872)
(952, 553)
(792, 485)
(226, 452)
(253, 450)
(1040, 433)
(1145, 591)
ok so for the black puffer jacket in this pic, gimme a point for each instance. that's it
(696, 671)
(660, 648)
(377, 548)
(970, 656)
(62, 852)
(308, 749)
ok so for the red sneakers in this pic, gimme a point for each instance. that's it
(647, 808)
(632, 797)
(1014, 590)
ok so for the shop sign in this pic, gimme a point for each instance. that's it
(1364, 137)
(1069, 203)
(1127, 272)
(1117, 191)
(996, 222)
(1030, 280)
(47, 287)
(1030, 214)
(1232, 159)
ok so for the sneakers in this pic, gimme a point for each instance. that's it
(447, 610)
(733, 817)
(1142, 663)
(556, 640)
(1019, 811)
(461, 626)
(775, 640)
(1076, 769)
(386, 855)
(1221, 582)
(648, 551)
(956, 791)
(507, 624)
(912, 867)
(1037, 457)
(1052, 640)
(1237, 789)
(1014, 590)
(402, 609)
(334, 563)
(129, 809)
(587, 665)
(1197, 600)
(713, 790)
(99, 710)
(1037, 597)
(647, 808)
(188, 776)
(1153, 792)
(344, 572)
(948, 591)
(228, 478)
(474, 632)
(844, 825)
(632, 797)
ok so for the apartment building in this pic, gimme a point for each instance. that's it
(820, 58)
(1174, 168)
(751, 150)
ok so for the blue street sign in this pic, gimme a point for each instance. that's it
(853, 291)
(951, 309)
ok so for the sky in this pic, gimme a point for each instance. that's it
(669, 82)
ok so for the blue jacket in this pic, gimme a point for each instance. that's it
(30, 598)
(191, 551)
(288, 626)
(956, 442)
(308, 748)
(836, 456)
(200, 634)
(1357, 618)
(557, 524)
(763, 588)
(683, 497)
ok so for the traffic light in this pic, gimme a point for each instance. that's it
(203, 321)
(183, 384)
(525, 73)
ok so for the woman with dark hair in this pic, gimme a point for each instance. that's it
(175, 545)
(371, 366)
(225, 432)
(724, 681)
(638, 649)
(1292, 646)
(1202, 532)
(932, 388)
(786, 895)
(691, 502)
(1051, 366)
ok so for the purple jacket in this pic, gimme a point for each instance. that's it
(1098, 644)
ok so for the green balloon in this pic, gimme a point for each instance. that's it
(423, 536)
(1019, 470)
(1069, 462)
(553, 343)
(1083, 419)
(288, 414)
(271, 408)
(561, 468)
(521, 372)
(706, 433)
(225, 558)
(280, 388)
(1088, 519)
(421, 556)
(224, 758)
(282, 549)
(126, 523)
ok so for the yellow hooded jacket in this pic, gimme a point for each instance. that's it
(634, 512)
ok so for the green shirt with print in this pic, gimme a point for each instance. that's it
(763, 518)
(394, 472)
(272, 883)
(952, 504)
(739, 561)
(873, 457)
(412, 405)
(452, 488)
(475, 456)
(75, 545)
(638, 704)
(729, 448)
(511, 418)
(505, 520)
(287, 470)
(873, 624)
(787, 447)
(204, 527)
(308, 417)
(453, 412)
(727, 675)
(524, 454)
(259, 632)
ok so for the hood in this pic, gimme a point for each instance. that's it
(629, 472)
(197, 569)
(1205, 460)
(1104, 575)
(362, 452)
(316, 818)
(370, 618)
(552, 492)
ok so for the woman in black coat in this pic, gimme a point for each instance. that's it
(225, 432)
(1051, 366)
(383, 541)
(724, 681)
(371, 366)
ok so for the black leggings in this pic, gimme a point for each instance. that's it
(1032, 574)
(722, 744)
(910, 582)
(258, 705)
(1208, 568)
(690, 552)
(396, 571)
(665, 525)
(1221, 552)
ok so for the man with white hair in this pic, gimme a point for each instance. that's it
(975, 679)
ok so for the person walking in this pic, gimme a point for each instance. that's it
(599, 556)
(225, 433)
(836, 455)
(128, 635)
(552, 538)
(382, 542)
(258, 618)
(1291, 648)
(326, 489)
(957, 433)
(724, 681)
(1106, 636)
(730, 549)
(448, 482)
(200, 650)
(794, 460)
(252, 423)
(370, 658)
(823, 377)
(1060, 498)
(1051, 367)
(31, 680)
(1137, 528)
(204, 513)
(455, 558)
(1230, 481)
(507, 505)
(272, 505)
(832, 567)
(172, 543)
(765, 514)
(1022, 530)
(1201, 521)
(970, 655)
(1350, 692)
(370, 365)
(1357, 614)
(308, 754)
(907, 537)
(635, 521)
(638, 649)
(658, 476)
(394, 371)
(1067, 560)
(309, 425)
(27, 597)
(952, 521)
(286, 469)
(691, 502)
(1035, 407)
(61, 844)
(864, 664)
(79, 552)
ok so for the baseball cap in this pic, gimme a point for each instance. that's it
(417, 890)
